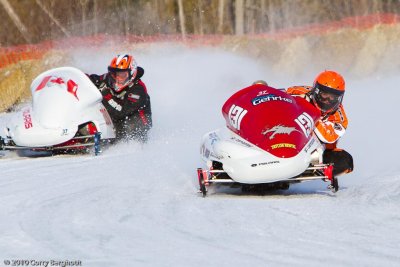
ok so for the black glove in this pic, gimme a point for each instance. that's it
(95, 79)
(2, 143)
(98, 81)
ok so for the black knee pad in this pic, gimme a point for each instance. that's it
(341, 159)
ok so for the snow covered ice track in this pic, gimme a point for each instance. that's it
(138, 206)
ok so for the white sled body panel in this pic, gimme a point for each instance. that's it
(248, 164)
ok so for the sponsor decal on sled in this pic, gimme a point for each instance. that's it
(283, 145)
(202, 149)
(279, 129)
(213, 137)
(212, 155)
(270, 97)
(26, 114)
(240, 141)
(106, 116)
(265, 163)
(64, 132)
(309, 145)
(207, 153)
(263, 92)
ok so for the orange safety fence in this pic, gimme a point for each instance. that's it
(14, 54)
(360, 23)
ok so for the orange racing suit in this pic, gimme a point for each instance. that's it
(329, 129)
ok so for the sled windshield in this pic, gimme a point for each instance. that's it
(271, 119)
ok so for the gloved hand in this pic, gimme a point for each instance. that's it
(2, 143)
(95, 79)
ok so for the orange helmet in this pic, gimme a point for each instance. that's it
(122, 71)
(328, 90)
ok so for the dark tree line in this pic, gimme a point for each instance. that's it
(32, 21)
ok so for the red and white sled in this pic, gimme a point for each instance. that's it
(269, 142)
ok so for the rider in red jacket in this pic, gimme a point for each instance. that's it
(327, 94)
(125, 97)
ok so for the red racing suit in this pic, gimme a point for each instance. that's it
(130, 110)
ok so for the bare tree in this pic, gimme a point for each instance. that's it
(239, 17)
(95, 10)
(83, 13)
(15, 18)
(271, 17)
(200, 9)
(251, 10)
(34, 21)
(221, 6)
(40, 4)
(263, 16)
(182, 19)
(124, 11)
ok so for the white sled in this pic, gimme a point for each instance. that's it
(66, 113)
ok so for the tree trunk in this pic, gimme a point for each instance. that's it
(263, 16)
(239, 17)
(40, 4)
(15, 18)
(95, 10)
(182, 19)
(200, 8)
(271, 17)
(125, 9)
(83, 14)
(251, 16)
(221, 6)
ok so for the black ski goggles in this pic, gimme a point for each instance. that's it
(327, 98)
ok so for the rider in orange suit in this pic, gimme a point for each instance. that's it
(326, 95)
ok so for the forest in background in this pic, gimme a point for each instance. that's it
(34, 21)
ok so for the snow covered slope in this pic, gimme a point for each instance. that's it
(138, 206)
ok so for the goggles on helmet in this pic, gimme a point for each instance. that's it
(119, 79)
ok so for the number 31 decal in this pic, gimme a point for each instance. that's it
(306, 123)
(236, 115)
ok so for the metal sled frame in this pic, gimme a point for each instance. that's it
(95, 142)
(313, 172)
